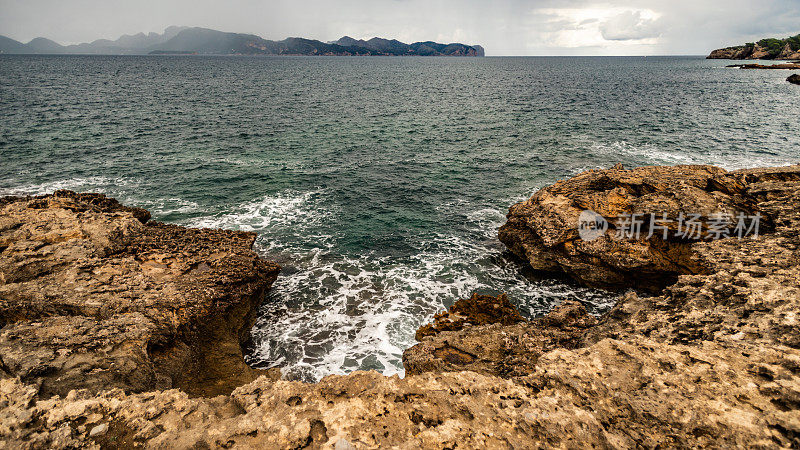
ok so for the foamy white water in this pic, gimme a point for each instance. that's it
(332, 313)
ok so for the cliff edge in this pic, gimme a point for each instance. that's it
(93, 295)
(771, 48)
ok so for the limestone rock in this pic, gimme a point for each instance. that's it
(713, 360)
(98, 430)
(758, 52)
(788, 53)
(476, 310)
(544, 229)
(613, 394)
(499, 348)
(94, 296)
(741, 52)
(754, 52)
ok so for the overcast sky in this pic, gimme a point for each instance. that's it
(503, 27)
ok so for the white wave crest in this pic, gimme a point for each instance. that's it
(96, 184)
(126, 190)
(650, 154)
(332, 314)
(284, 209)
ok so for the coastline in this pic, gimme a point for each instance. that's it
(710, 358)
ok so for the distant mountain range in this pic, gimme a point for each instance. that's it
(204, 41)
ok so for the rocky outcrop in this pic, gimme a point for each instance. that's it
(787, 49)
(736, 321)
(658, 203)
(476, 310)
(789, 53)
(503, 345)
(767, 66)
(758, 52)
(626, 392)
(741, 52)
(94, 296)
(794, 79)
(713, 360)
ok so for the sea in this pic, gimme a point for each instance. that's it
(378, 183)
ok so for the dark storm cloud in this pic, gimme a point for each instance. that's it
(504, 27)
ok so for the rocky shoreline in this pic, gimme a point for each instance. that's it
(788, 66)
(104, 314)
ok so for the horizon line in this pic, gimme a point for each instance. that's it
(362, 56)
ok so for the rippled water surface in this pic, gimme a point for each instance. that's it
(378, 183)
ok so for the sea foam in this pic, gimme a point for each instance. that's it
(333, 312)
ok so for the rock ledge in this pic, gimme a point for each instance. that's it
(93, 295)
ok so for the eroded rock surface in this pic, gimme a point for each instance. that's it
(613, 394)
(476, 310)
(711, 361)
(754, 52)
(543, 230)
(502, 344)
(93, 296)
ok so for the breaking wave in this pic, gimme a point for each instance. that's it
(651, 154)
(127, 191)
(333, 312)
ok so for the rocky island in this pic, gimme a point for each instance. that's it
(205, 41)
(118, 332)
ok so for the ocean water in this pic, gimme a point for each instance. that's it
(378, 183)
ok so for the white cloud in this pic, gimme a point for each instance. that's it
(603, 29)
(629, 25)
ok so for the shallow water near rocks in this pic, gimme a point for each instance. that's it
(378, 183)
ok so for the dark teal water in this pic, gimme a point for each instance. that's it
(379, 183)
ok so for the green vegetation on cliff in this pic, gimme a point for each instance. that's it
(769, 48)
(775, 46)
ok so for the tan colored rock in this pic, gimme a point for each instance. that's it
(788, 53)
(544, 229)
(731, 53)
(613, 394)
(751, 296)
(93, 296)
(498, 348)
(476, 310)
(759, 52)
